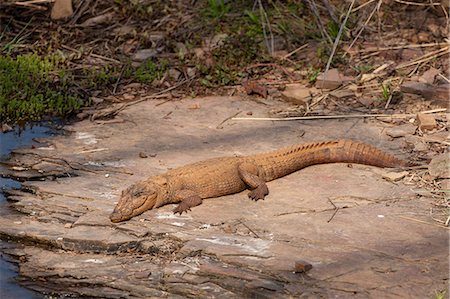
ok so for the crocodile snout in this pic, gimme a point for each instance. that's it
(118, 216)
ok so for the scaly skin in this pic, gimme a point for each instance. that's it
(189, 184)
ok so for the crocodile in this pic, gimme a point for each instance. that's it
(190, 184)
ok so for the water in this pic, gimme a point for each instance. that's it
(9, 289)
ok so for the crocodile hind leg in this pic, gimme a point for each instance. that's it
(249, 174)
(188, 199)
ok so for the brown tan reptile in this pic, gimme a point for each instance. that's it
(189, 184)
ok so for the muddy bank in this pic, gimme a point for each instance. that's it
(351, 224)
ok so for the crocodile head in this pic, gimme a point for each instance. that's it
(135, 200)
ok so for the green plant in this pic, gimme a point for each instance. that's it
(255, 27)
(238, 50)
(149, 71)
(16, 41)
(386, 91)
(137, 8)
(31, 87)
(440, 294)
(254, 18)
(230, 58)
(219, 75)
(312, 74)
(333, 29)
(363, 68)
(217, 8)
(323, 51)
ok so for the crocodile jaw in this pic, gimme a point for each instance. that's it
(129, 206)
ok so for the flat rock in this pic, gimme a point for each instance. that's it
(445, 184)
(414, 87)
(343, 221)
(401, 130)
(95, 218)
(61, 9)
(4, 128)
(332, 79)
(420, 146)
(437, 94)
(100, 19)
(298, 94)
(144, 54)
(124, 30)
(394, 176)
(343, 93)
(429, 76)
(439, 166)
(426, 121)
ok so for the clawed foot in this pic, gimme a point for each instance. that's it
(188, 202)
(182, 207)
(259, 193)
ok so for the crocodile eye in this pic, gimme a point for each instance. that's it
(138, 193)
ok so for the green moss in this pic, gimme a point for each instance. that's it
(237, 52)
(150, 71)
(216, 9)
(31, 87)
(136, 8)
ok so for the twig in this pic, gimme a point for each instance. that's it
(331, 10)
(157, 94)
(319, 99)
(337, 116)
(118, 80)
(435, 219)
(426, 57)
(421, 221)
(274, 65)
(438, 110)
(363, 27)
(432, 140)
(338, 37)
(30, 5)
(324, 117)
(240, 221)
(105, 58)
(270, 47)
(336, 209)
(391, 95)
(332, 216)
(362, 5)
(324, 33)
(443, 77)
(417, 4)
(295, 51)
(219, 126)
(409, 46)
(79, 11)
(33, 2)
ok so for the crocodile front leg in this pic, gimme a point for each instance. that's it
(249, 174)
(187, 199)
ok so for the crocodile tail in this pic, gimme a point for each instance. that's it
(284, 161)
(357, 152)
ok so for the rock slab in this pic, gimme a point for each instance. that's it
(327, 230)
